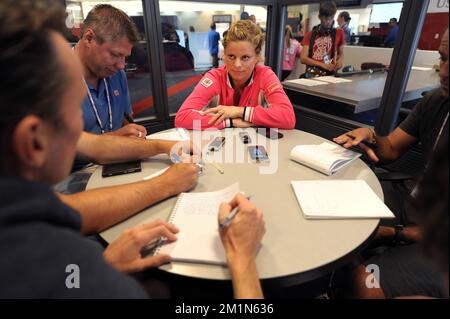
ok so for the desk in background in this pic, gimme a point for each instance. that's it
(365, 91)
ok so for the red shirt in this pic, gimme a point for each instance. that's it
(264, 98)
(322, 45)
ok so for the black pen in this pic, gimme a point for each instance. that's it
(128, 118)
(368, 144)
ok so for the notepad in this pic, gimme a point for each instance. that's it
(178, 134)
(345, 199)
(195, 214)
(307, 82)
(332, 79)
(326, 158)
(418, 68)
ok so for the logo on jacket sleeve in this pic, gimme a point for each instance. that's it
(116, 93)
(207, 82)
(274, 86)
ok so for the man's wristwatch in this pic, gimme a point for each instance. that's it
(399, 236)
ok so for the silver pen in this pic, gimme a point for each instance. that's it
(176, 159)
(227, 221)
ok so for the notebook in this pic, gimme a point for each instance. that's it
(326, 158)
(195, 214)
(418, 68)
(306, 82)
(346, 199)
(178, 134)
(332, 79)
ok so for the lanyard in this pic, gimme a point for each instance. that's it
(99, 121)
(440, 133)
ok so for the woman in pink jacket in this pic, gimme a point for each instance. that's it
(241, 93)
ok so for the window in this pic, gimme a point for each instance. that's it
(356, 99)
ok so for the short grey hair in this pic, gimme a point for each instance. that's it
(110, 24)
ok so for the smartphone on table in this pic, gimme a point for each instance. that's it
(121, 168)
(245, 138)
(258, 153)
(216, 144)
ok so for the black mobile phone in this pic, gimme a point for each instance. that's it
(271, 133)
(245, 138)
(216, 144)
(121, 168)
(258, 153)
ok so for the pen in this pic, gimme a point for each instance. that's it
(219, 168)
(227, 221)
(128, 118)
(176, 159)
(368, 144)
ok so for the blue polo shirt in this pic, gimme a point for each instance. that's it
(120, 104)
(213, 41)
(392, 36)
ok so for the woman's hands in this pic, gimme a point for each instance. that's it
(222, 112)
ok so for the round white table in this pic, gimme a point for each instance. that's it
(294, 250)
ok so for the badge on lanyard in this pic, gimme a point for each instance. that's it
(97, 116)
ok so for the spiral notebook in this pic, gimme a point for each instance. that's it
(195, 214)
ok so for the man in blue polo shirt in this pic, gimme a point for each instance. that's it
(392, 35)
(214, 38)
(107, 37)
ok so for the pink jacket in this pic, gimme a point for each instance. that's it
(266, 102)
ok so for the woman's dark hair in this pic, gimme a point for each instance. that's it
(32, 79)
(345, 15)
(169, 32)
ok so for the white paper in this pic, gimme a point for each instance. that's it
(419, 68)
(339, 199)
(178, 134)
(326, 158)
(307, 82)
(195, 214)
(332, 79)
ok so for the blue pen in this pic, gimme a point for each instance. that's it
(227, 221)
(176, 159)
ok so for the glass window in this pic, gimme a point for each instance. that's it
(187, 33)
(361, 65)
(137, 65)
